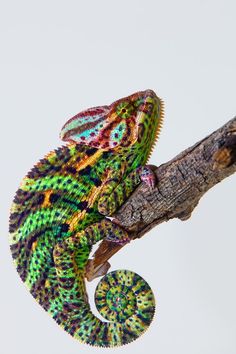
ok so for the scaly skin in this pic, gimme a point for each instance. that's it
(58, 214)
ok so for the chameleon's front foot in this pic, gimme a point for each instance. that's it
(117, 193)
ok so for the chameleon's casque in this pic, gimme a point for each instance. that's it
(59, 211)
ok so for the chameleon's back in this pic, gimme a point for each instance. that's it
(58, 201)
(51, 203)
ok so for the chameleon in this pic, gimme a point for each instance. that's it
(64, 206)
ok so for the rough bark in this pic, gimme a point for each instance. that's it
(181, 183)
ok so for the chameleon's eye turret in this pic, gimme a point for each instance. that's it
(125, 109)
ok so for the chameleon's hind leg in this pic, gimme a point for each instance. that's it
(116, 237)
(122, 298)
(70, 263)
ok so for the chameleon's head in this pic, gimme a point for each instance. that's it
(131, 121)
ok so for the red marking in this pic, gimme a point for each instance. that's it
(106, 144)
(89, 112)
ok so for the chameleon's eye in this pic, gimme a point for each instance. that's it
(124, 109)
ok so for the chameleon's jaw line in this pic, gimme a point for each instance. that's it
(159, 127)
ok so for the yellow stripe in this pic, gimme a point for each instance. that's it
(46, 202)
(88, 160)
(91, 199)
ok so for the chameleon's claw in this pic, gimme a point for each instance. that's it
(148, 176)
(114, 220)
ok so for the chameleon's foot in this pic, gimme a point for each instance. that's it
(116, 235)
(92, 273)
(116, 238)
(148, 176)
(119, 191)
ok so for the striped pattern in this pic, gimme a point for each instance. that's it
(123, 296)
(57, 215)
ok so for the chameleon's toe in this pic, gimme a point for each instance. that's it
(106, 206)
(148, 176)
(118, 235)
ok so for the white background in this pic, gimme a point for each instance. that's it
(59, 57)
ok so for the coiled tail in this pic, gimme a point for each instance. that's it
(125, 300)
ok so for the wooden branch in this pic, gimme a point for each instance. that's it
(181, 183)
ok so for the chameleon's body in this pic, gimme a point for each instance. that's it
(58, 214)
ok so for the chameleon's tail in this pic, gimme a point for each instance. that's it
(126, 301)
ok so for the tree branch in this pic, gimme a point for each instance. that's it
(181, 183)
